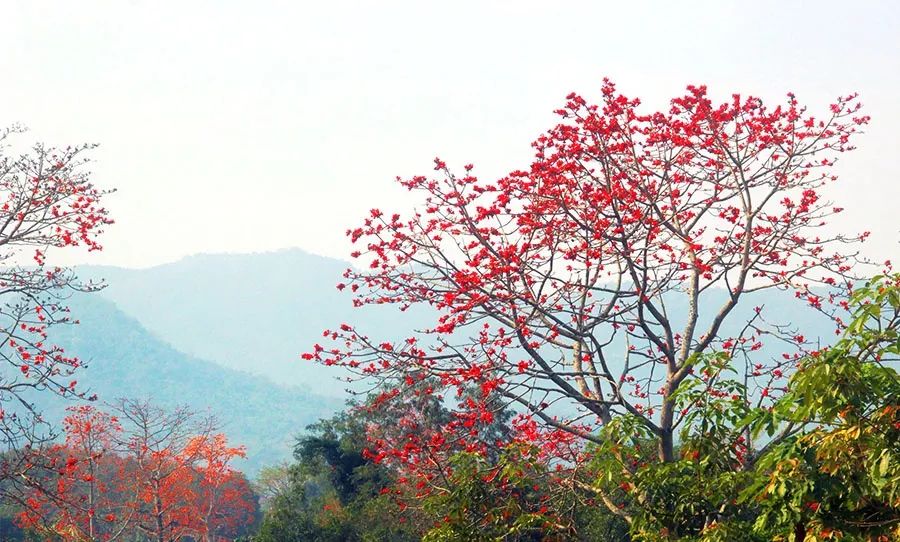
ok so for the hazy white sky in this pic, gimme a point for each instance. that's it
(250, 126)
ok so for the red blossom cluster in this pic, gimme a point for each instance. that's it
(47, 201)
(106, 482)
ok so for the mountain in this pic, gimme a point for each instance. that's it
(250, 312)
(126, 360)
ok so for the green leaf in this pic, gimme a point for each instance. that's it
(885, 464)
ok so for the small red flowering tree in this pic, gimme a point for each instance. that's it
(141, 471)
(592, 284)
(90, 499)
(156, 446)
(183, 478)
(224, 500)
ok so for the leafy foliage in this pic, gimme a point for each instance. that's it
(513, 497)
(820, 463)
(839, 474)
(333, 493)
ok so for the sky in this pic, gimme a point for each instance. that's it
(256, 126)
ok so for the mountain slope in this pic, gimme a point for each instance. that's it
(125, 360)
(250, 312)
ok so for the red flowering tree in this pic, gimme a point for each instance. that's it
(90, 499)
(47, 202)
(143, 472)
(224, 501)
(591, 284)
(156, 446)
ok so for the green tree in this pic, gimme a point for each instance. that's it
(513, 496)
(838, 475)
(821, 463)
(333, 493)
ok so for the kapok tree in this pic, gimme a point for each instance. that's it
(223, 501)
(89, 496)
(47, 202)
(139, 471)
(591, 284)
(155, 443)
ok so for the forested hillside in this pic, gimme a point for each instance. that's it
(125, 360)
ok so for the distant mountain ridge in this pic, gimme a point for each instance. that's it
(250, 312)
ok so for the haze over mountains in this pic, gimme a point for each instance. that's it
(250, 312)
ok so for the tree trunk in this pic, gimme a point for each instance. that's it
(666, 446)
(666, 433)
(160, 527)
